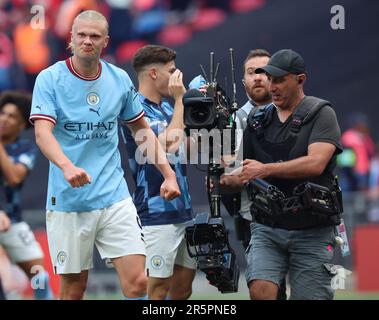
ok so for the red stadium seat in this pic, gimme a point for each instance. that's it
(246, 5)
(143, 5)
(207, 18)
(175, 35)
(126, 50)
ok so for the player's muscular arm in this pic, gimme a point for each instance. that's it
(169, 188)
(76, 177)
(172, 137)
(13, 173)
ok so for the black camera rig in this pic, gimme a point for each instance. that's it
(318, 199)
(207, 236)
(212, 109)
(207, 241)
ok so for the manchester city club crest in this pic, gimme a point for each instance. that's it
(157, 262)
(93, 99)
(62, 257)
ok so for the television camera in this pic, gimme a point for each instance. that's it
(207, 236)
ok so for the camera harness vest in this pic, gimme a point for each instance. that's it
(294, 146)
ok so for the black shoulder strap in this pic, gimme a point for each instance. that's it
(259, 118)
(307, 109)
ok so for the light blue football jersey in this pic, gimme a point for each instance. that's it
(85, 112)
(151, 207)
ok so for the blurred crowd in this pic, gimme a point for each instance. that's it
(358, 165)
(25, 50)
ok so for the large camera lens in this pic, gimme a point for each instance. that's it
(199, 114)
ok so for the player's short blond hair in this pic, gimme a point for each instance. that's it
(89, 15)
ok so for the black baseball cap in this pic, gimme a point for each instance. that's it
(283, 62)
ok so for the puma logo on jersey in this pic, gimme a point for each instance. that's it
(96, 111)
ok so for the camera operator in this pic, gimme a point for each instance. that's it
(257, 91)
(288, 150)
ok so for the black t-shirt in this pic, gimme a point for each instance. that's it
(325, 129)
(280, 144)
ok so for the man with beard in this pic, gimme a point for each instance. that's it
(257, 91)
(289, 144)
(258, 94)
